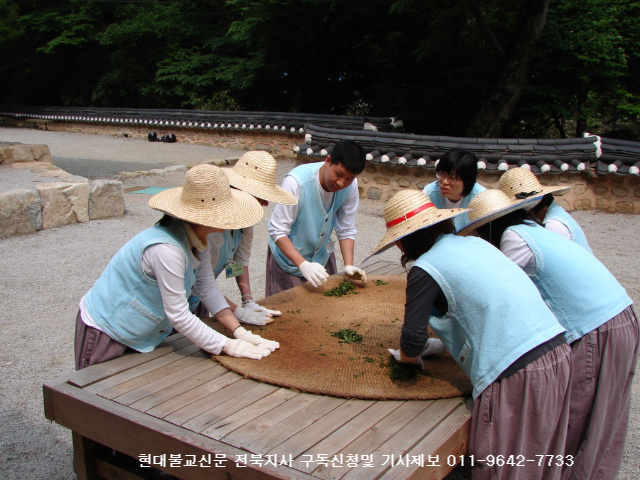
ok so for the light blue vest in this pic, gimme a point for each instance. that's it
(495, 313)
(125, 302)
(312, 228)
(556, 212)
(232, 240)
(433, 192)
(579, 290)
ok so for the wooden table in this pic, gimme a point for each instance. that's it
(195, 419)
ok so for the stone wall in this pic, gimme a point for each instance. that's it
(611, 192)
(46, 203)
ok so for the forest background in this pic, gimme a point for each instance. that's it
(485, 68)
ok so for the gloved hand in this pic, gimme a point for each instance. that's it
(434, 346)
(254, 306)
(244, 334)
(396, 354)
(242, 348)
(252, 316)
(355, 273)
(314, 273)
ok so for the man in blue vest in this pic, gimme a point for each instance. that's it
(300, 246)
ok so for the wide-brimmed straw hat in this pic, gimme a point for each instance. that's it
(207, 199)
(491, 204)
(408, 211)
(255, 173)
(519, 182)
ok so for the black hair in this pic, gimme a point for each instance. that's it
(166, 220)
(463, 164)
(350, 154)
(545, 202)
(492, 231)
(421, 241)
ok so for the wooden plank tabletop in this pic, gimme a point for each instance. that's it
(176, 404)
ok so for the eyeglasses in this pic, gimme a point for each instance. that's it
(447, 177)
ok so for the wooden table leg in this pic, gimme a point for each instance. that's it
(84, 457)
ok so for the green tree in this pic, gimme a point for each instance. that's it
(451, 67)
(585, 73)
(52, 57)
(499, 106)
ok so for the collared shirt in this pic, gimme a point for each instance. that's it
(284, 216)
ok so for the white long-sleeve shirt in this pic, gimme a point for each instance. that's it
(518, 251)
(558, 227)
(283, 216)
(166, 263)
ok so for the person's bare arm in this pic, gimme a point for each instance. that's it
(290, 251)
(347, 247)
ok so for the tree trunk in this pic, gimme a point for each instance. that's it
(498, 108)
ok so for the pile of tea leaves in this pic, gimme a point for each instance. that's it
(343, 288)
(346, 335)
(399, 371)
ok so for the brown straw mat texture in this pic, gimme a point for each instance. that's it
(311, 360)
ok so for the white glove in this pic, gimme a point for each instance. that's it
(252, 316)
(314, 273)
(355, 273)
(434, 346)
(254, 306)
(243, 334)
(242, 348)
(396, 354)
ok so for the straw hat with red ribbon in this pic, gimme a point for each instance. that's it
(408, 211)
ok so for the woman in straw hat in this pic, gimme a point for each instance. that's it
(491, 318)
(255, 174)
(552, 215)
(142, 293)
(456, 186)
(602, 328)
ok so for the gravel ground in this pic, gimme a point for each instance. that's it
(43, 276)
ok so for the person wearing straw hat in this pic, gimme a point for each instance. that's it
(300, 246)
(552, 215)
(255, 174)
(493, 321)
(601, 324)
(456, 186)
(141, 296)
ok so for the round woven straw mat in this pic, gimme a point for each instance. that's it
(311, 360)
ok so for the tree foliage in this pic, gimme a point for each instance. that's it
(449, 66)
